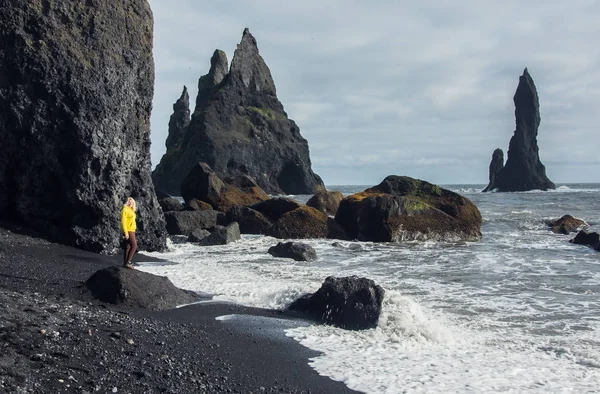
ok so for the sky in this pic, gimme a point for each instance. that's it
(423, 89)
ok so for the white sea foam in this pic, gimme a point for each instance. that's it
(516, 312)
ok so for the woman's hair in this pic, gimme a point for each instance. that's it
(131, 201)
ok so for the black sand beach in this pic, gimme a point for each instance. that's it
(54, 338)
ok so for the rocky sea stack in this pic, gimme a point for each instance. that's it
(523, 170)
(238, 128)
(76, 87)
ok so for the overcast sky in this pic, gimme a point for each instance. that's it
(402, 87)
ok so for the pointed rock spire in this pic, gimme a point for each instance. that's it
(218, 67)
(496, 166)
(249, 68)
(524, 170)
(180, 118)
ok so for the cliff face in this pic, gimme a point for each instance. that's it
(239, 127)
(523, 170)
(76, 87)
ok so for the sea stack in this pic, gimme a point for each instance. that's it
(239, 128)
(523, 170)
(76, 87)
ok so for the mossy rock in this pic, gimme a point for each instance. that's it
(302, 222)
(275, 208)
(403, 208)
(326, 201)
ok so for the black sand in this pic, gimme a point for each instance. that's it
(54, 338)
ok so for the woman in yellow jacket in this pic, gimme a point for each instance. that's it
(128, 227)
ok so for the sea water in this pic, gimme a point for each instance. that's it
(518, 311)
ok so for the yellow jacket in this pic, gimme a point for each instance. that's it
(127, 220)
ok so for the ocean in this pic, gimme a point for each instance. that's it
(518, 311)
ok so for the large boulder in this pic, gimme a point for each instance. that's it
(222, 235)
(402, 208)
(198, 235)
(566, 224)
(249, 220)
(293, 250)
(201, 183)
(351, 302)
(239, 127)
(585, 238)
(523, 170)
(326, 201)
(131, 287)
(302, 222)
(76, 88)
(169, 204)
(197, 205)
(275, 208)
(204, 185)
(184, 222)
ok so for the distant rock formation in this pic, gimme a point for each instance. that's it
(238, 127)
(523, 170)
(496, 166)
(76, 87)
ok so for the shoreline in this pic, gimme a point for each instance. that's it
(56, 338)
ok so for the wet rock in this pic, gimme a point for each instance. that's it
(301, 223)
(184, 222)
(585, 238)
(402, 208)
(249, 220)
(198, 235)
(496, 166)
(293, 250)
(76, 91)
(523, 170)
(275, 208)
(566, 224)
(132, 287)
(351, 302)
(222, 235)
(241, 128)
(326, 201)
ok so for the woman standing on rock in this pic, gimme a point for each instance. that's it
(128, 227)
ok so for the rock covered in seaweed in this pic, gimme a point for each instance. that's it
(402, 208)
(77, 80)
(523, 170)
(239, 127)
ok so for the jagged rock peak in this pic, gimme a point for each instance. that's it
(249, 67)
(240, 128)
(179, 119)
(219, 66)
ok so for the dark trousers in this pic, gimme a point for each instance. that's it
(130, 248)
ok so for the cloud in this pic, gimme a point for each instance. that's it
(422, 89)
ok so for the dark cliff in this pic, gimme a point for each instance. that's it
(239, 127)
(523, 170)
(76, 87)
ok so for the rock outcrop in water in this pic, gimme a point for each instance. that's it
(496, 166)
(239, 127)
(523, 170)
(401, 208)
(76, 87)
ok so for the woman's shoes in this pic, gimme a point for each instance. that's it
(128, 265)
